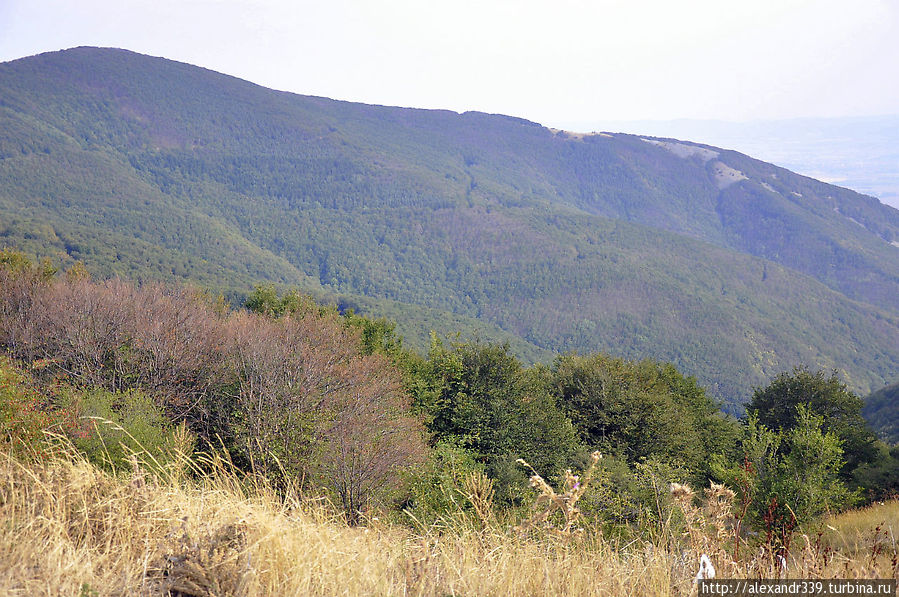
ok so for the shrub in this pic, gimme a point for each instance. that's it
(122, 424)
(25, 414)
(310, 406)
(436, 488)
(789, 478)
(481, 397)
(629, 500)
(826, 396)
(640, 410)
(295, 396)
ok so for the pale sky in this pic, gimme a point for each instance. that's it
(557, 62)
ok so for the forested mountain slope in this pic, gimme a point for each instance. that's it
(882, 410)
(731, 268)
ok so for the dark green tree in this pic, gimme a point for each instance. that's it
(265, 300)
(882, 410)
(640, 410)
(826, 396)
(788, 477)
(880, 478)
(486, 401)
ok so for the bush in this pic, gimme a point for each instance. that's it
(481, 397)
(122, 424)
(824, 395)
(311, 406)
(295, 396)
(26, 415)
(436, 488)
(631, 498)
(789, 478)
(641, 411)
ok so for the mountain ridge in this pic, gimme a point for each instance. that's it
(609, 242)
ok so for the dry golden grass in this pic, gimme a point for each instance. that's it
(858, 531)
(854, 545)
(68, 528)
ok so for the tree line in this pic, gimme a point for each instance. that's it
(333, 403)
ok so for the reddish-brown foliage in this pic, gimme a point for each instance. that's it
(293, 395)
(311, 404)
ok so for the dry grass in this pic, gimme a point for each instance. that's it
(856, 532)
(856, 544)
(67, 528)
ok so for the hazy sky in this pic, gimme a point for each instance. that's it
(558, 62)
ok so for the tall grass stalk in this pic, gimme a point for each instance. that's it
(69, 528)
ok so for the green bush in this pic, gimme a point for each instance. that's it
(483, 398)
(122, 424)
(824, 395)
(788, 478)
(640, 411)
(627, 499)
(436, 489)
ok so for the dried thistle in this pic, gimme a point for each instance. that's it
(719, 510)
(478, 489)
(549, 501)
(681, 493)
(711, 525)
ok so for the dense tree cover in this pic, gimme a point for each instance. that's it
(296, 398)
(149, 170)
(553, 242)
(882, 410)
(473, 396)
(880, 478)
(640, 410)
(335, 403)
(479, 397)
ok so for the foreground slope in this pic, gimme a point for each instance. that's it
(74, 529)
(731, 268)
